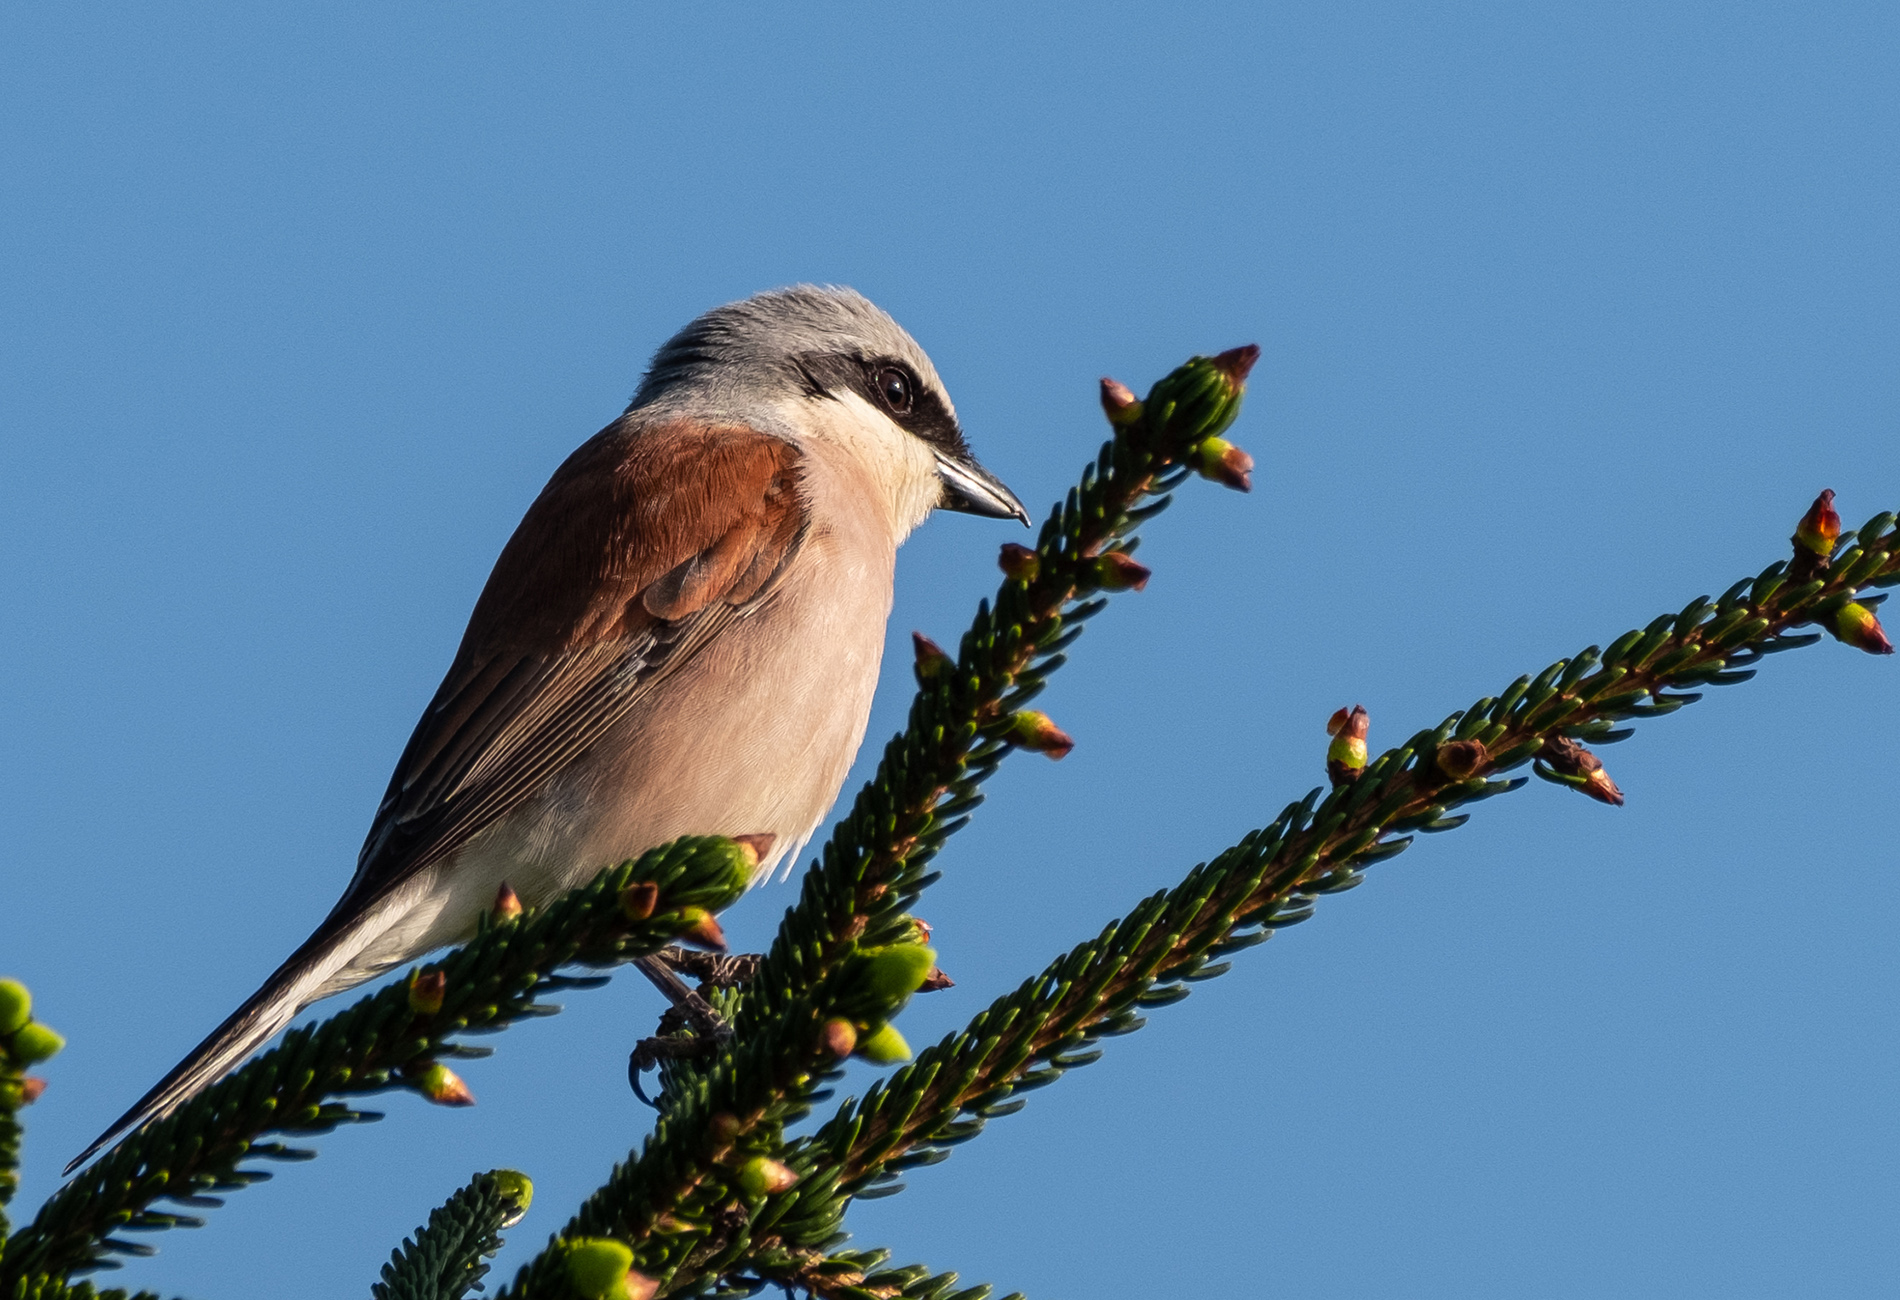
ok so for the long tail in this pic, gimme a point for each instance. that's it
(310, 973)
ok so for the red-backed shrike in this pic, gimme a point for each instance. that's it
(682, 637)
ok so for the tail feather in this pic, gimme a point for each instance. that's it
(301, 980)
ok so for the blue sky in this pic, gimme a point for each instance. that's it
(1566, 311)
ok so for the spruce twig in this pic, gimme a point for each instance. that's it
(447, 1257)
(381, 1042)
(966, 717)
(1274, 877)
(865, 1275)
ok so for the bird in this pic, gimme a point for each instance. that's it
(682, 636)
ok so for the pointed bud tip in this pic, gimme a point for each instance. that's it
(757, 847)
(427, 988)
(32, 1088)
(1599, 786)
(1018, 562)
(1219, 461)
(1817, 533)
(1033, 730)
(927, 650)
(507, 903)
(764, 1176)
(638, 901)
(1119, 402)
(1569, 758)
(443, 1087)
(1117, 571)
(1857, 625)
(1238, 363)
(702, 927)
(936, 981)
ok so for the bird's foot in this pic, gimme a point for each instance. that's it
(718, 969)
(689, 1010)
(649, 1053)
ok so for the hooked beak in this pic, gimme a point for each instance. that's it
(973, 490)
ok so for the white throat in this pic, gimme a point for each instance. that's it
(898, 468)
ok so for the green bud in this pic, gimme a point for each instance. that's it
(515, 1187)
(884, 1046)
(763, 1176)
(597, 1266)
(893, 973)
(16, 1006)
(443, 1086)
(751, 850)
(34, 1042)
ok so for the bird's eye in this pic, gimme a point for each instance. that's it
(893, 385)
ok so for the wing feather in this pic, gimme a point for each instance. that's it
(642, 548)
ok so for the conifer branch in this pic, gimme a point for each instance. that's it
(12, 1097)
(396, 1038)
(967, 715)
(24, 1041)
(1274, 877)
(447, 1257)
(53, 1288)
(862, 1275)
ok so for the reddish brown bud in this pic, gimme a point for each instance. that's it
(1220, 461)
(1119, 403)
(1819, 529)
(923, 929)
(841, 1037)
(1354, 722)
(1019, 562)
(441, 1085)
(1346, 756)
(1118, 572)
(1030, 729)
(426, 990)
(637, 901)
(1858, 626)
(702, 927)
(755, 847)
(1461, 759)
(31, 1087)
(1580, 769)
(935, 981)
(724, 1127)
(507, 903)
(1237, 363)
(638, 1286)
(932, 662)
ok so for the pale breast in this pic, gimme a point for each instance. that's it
(755, 734)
